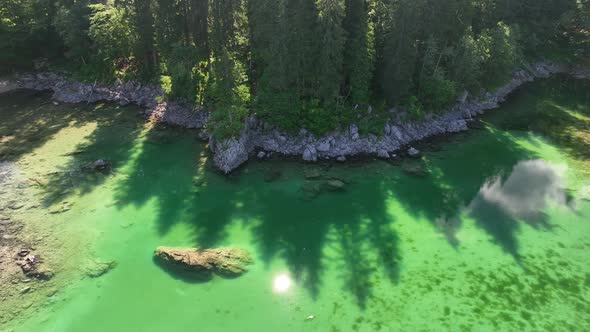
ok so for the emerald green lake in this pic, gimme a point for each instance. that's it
(489, 231)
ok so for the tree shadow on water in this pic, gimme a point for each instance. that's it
(28, 119)
(357, 229)
(352, 230)
(113, 140)
(283, 223)
(489, 178)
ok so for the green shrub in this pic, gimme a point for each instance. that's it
(437, 93)
(187, 80)
(501, 51)
(72, 25)
(279, 108)
(414, 107)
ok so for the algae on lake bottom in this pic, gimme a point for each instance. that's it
(492, 235)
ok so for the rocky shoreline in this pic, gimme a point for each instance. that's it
(257, 139)
(176, 113)
(397, 134)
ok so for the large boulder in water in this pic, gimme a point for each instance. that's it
(203, 263)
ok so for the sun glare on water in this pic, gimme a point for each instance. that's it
(281, 283)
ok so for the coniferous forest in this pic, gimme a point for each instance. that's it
(318, 64)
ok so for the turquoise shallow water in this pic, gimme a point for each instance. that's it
(489, 231)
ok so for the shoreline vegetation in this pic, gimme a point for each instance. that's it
(259, 139)
(254, 73)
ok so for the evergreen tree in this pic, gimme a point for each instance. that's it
(303, 46)
(400, 51)
(146, 51)
(305, 62)
(229, 93)
(330, 56)
(358, 51)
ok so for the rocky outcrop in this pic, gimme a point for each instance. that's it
(68, 91)
(397, 133)
(204, 263)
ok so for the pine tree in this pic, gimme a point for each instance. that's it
(229, 94)
(146, 51)
(303, 45)
(330, 57)
(400, 51)
(358, 51)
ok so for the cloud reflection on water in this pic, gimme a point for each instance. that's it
(527, 190)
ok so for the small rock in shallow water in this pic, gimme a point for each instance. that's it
(412, 152)
(96, 268)
(272, 175)
(64, 207)
(312, 174)
(335, 185)
(341, 159)
(100, 165)
(414, 169)
(383, 154)
(261, 155)
(16, 206)
(311, 190)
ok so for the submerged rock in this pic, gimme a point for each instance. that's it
(312, 174)
(32, 267)
(413, 152)
(585, 193)
(272, 175)
(335, 185)
(414, 169)
(311, 190)
(100, 164)
(96, 268)
(228, 262)
(61, 208)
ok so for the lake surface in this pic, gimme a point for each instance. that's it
(489, 231)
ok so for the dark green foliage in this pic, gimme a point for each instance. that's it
(358, 52)
(145, 48)
(112, 35)
(186, 78)
(466, 63)
(318, 64)
(228, 92)
(501, 48)
(27, 32)
(437, 92)
(72, 24)
(330, 54)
